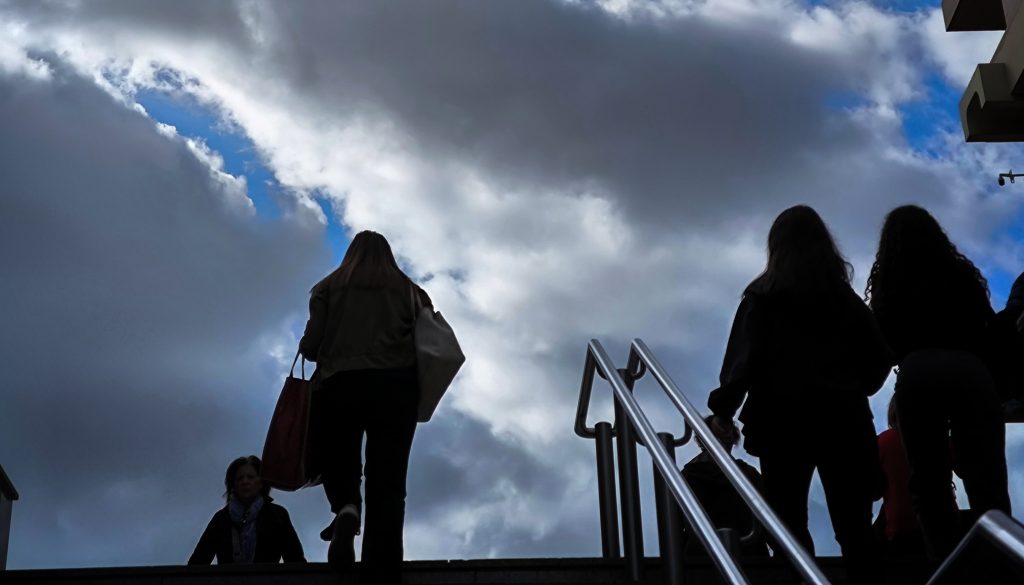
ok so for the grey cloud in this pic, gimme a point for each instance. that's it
(676, 119)
(133, 296)
(136, 296)
(456, 464)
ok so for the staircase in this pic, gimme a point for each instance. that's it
(992, 553)
(494, 572)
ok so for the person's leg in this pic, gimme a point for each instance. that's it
(848, 467)
(979, 439)
(391, 424)
(337, 440)
(923, 403)
(787, 481)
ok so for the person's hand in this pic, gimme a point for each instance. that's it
(723, 427)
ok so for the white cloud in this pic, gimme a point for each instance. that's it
(567, 175)
(957, 54)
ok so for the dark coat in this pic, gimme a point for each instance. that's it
(355, 328)
(945, 311)
(803, 364)
(275, 539)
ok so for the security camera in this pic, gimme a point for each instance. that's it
(1002, 181)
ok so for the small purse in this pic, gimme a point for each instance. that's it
(438, 357)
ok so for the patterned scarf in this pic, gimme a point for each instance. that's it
(243, 522)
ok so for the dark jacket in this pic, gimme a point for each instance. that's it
(801, 362)
(724, 505)
(354, 328)
(951, 313)
(275, 538)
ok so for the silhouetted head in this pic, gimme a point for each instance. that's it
(243, 481)
(368, 263)
(802, 256)
(915, 255)
(728, 438)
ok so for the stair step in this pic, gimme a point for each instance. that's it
(453, 572)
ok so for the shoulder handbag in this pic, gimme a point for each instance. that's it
(438, 356)
(286, 452)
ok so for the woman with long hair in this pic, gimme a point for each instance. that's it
(360, 334)
(932, 305)
(806, 354)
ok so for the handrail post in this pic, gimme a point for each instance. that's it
(606, 492)
(629, 494)
(670, 522)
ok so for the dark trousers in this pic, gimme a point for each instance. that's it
(943, 395)
(847, 463)
(380, 405)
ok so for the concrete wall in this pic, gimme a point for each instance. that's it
(5, 530)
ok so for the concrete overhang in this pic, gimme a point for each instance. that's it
(970, 15)
(988, 109)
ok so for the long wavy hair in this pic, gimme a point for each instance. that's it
(802, 256)
(368, 263)
(916, 255)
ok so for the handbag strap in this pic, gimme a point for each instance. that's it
(291, 373)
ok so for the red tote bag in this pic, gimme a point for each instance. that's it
(287, 464)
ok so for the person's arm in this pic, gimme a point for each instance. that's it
(739, 364)
(291, 546)
(206, 550)
(309, 345)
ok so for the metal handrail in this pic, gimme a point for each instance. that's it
(1005, 533)
(583, 408)
(640, 354)
(688, 502)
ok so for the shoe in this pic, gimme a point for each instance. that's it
(341, 554)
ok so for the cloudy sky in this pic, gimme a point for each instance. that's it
(174, 176)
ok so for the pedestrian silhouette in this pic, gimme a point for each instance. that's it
(360, 334)
(932, 305)
(250, 528)
(897, 526)
(806, 353)
(724, 505)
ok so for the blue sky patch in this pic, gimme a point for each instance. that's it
(241, 157)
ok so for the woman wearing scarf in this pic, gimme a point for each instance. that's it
(250, 528)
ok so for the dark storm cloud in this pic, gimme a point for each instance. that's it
(679, 120)
(676, 119)
(221, 20)
(133, 295)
